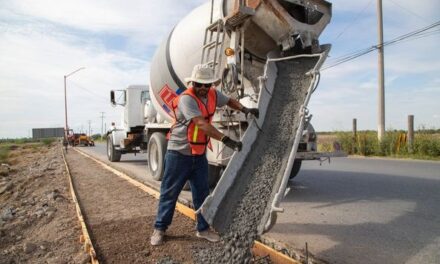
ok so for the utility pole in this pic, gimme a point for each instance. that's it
(410, 133)
(90, 122)
(102, 124)
(381, 97)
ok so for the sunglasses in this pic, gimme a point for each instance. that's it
(198, 85)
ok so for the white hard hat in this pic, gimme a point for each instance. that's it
(202, 74)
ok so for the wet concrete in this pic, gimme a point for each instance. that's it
(265, 165)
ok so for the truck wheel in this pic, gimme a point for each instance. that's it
(112, 153)
(157, 146)
(295, 169)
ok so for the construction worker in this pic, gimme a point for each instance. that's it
(185, 159)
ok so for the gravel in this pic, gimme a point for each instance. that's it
(30, 218)
(7, 214)
(264, 166)
(29, 247)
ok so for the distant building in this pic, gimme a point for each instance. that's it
(38, 133)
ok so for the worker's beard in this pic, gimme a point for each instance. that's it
(201, 92)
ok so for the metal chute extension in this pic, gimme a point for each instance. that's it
(218, 208)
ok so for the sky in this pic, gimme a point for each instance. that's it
(41, 41)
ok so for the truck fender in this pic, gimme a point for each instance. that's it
(117, 136)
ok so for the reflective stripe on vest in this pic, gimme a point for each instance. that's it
(196, 137)
(196, 131)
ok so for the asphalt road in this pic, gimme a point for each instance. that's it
(354, 210)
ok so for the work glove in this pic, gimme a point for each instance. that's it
(235, 145)
(252, 111)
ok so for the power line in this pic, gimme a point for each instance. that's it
(358, 15)
(100, 97)
(419, 36)
(410, 11)
(413, 35)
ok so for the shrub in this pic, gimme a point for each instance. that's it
(48, 141)
(367, 144)
(4, 153)
(393, 143)
(426, 145)
(346, 141)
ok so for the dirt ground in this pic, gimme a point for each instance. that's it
(121, 218)
(38, 222)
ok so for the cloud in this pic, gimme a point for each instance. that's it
(41, 41)
(350, 90)
(32, 73)
(141, 22)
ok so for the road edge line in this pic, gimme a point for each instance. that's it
(85, 237)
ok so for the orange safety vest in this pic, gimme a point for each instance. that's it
(196, 137)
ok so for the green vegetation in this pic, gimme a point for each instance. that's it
(426, 144)
(48, 141)
(17, 140)
(6, 145)
(20, 141)
(97, 138)
(4, 153)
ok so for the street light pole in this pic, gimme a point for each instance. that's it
(66, 128)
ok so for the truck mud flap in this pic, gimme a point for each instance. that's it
(248, 195)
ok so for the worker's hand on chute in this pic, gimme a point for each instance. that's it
(235, 145)
(252, 111)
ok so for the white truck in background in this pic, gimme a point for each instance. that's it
(235, 38)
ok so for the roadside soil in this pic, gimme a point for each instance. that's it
(121, 217)
(38, 222)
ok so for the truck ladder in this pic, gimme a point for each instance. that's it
(213, 41)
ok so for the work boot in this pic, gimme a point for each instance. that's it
(157, 237)
(208, 235)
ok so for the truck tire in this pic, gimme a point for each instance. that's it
(295, 169)
(112, 153)
(157, 147)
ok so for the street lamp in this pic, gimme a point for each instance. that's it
(66, 129)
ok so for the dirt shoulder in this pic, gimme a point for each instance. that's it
(38, 223)
(121, 218)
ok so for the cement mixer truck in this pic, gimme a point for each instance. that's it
(248, 44)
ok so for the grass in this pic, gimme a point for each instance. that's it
(4, 154)
(6, 145)
(426, 144)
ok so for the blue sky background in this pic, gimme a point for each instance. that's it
(40, 41)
